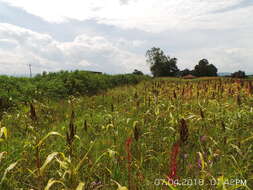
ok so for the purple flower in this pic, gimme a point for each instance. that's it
(199, 163)
(203, 138)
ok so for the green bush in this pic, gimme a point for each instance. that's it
(57, 85)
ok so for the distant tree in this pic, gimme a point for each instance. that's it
(160, 64)
(137, 72)
(185, 72)
(239, 74)
(205, 69)
(44, 73)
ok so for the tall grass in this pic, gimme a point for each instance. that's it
(159, 134)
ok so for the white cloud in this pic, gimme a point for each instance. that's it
(8, 44)
(21, 47)
(148, 15)
(225, 59)
(219, 30)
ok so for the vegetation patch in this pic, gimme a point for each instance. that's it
(158, 134)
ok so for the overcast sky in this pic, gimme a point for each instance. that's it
(113, 36)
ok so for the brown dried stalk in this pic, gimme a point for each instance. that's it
(70, 134)
(136, 132)
(239, 101)
(85, 126)
(33, 114)
(184, 133)
(202, 114)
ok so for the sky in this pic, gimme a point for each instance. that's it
(112, 36)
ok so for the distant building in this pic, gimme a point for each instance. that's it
(189, 77)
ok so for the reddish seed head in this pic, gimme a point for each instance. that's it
(173, 162)
(203, 138)
(128, 148)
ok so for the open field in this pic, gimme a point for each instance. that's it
(196, 133)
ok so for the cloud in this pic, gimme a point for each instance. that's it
(146, 15)
(21, 46)
(124, 2)
(113, 35)
(224, 58)
(7, 44)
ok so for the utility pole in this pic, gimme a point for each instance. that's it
(30, 69)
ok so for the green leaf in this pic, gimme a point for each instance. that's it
(247, 139)
(119, 186)
(221, 183)
(202, 160)
(2, 155)
(84, 158)
(237, 149)
(111, 153)
(3, 132)
(12, 166)
(49, 159)
(51, 182)
(80, 186)
(48, 135)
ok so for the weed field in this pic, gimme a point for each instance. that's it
(159, 134)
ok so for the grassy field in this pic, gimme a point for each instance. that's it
(158, 134)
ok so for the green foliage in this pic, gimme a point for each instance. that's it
(124, 138)
(58, 85)
(185, 72)
(205, 69)
(160, 64)
(137, 72)
(239, 74)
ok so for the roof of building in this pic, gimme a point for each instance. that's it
(189, 76)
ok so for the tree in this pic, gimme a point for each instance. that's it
(137, 72)
(160, 64)
(205, 69)
(44, 73)
(185, 72)
(239, 74)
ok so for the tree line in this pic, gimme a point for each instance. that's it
(162, 65)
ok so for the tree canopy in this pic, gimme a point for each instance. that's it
(239, 74)
(160, 64)
(137, 72)
(163, 65)
(185, 72)
(205, 69)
